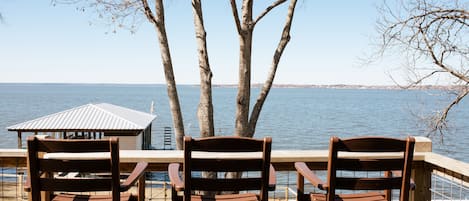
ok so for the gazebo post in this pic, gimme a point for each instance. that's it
(20, 141)
(147, 137)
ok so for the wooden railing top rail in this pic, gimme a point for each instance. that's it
(170, 156)
(283, 160)
(458, 169)
(10, 153)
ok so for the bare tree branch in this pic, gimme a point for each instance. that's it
(420, 80)
(116, 14)
(430, 32)
(268, 9)
(149, 13)
(439, 62)
(438, 122)
(234, 9)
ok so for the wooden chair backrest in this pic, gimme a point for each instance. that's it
(370, 144)
(42, 169)
(227, 164)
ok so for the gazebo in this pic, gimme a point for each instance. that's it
(93, 121)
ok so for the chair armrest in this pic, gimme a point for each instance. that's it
(138, 172)
(412, 184)
(272, 178)
(303, 169)
(174, 178)
(27, 185)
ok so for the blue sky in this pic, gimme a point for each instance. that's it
(56, 44)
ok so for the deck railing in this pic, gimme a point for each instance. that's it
(437, 177)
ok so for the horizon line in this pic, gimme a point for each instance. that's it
(256, 85)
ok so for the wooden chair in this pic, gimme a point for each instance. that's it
(396, 170)
(47, 158)
(199, 156)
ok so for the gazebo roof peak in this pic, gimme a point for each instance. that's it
(92, 117)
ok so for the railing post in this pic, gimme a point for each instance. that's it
(422, 172)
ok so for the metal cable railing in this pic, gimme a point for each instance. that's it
(446, 187)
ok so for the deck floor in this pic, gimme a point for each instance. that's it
(12, 192)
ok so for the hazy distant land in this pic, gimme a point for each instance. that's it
(345, 86)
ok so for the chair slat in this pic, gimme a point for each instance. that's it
(94, 166)
(226, 184)
(368, 183)
(224, 165)
(75, 185)
(73, 146)
(371, 144)
(224, 144)
(369, 164)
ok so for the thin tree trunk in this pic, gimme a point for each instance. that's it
(275, 61)
(205, 109)
(244, 83)
(159, 24)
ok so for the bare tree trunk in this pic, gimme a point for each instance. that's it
(205, 109)
(158, 22)
(245, 125)
(244, 83)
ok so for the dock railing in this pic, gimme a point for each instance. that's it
(437, 177)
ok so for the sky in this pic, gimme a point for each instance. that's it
(43, 43)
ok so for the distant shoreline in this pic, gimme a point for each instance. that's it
(312, 86)
(345, 86)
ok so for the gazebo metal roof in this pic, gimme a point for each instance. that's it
(89, 117)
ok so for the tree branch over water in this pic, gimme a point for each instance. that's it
(433, 34)
(117, 14)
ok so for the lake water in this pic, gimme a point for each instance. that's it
(296, 118)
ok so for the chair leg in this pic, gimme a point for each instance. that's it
(387, 193)
(141, 188)
(300, 187)
(174, 195)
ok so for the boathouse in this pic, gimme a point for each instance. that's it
(93, 121)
